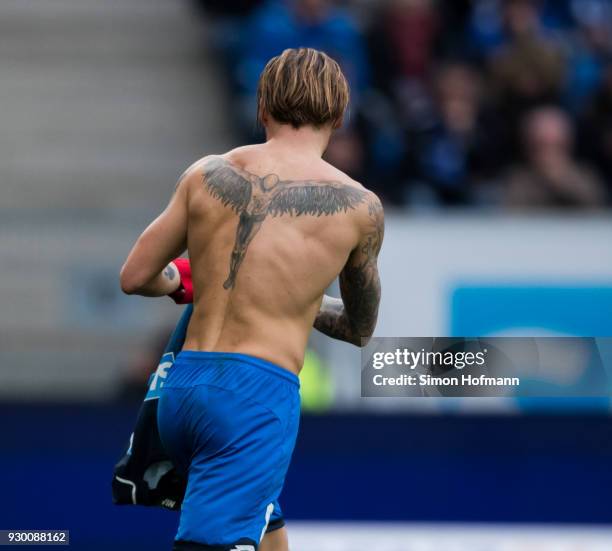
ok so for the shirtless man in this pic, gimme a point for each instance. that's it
(268, 228)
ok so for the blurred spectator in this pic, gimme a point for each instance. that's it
(529, 68)
(551, 177)
(401, 46)
(485, 32)
(378, 129)
(596, 130)
(281, 24)
(411, 28)
(460, 147)
(590, 49)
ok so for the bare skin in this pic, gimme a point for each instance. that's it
(275, 541)
(268, 228)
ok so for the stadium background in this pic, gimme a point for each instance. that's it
(486, 128)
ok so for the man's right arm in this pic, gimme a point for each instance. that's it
(353, 318)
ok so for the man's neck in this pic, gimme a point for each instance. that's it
(308, 140)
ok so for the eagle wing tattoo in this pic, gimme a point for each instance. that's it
(324, 198)
(253, 198)
(230, 186)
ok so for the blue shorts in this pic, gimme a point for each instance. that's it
(230, 422)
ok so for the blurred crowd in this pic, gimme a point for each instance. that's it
(454, 102)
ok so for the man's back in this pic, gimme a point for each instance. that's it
(267, 233)
(268, 228)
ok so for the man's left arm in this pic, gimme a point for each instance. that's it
(148, 270)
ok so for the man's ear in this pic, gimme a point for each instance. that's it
(264, 118)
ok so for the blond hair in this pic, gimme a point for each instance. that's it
(303, 87)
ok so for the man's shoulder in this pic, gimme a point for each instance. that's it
(369, 210)
(232, 154)
(371, 201)
(196, 171)
(337, 175)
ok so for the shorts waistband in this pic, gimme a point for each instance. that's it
(197, 355)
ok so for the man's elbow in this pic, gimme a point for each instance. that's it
(362, 335)
(131, 281)
(362, 340)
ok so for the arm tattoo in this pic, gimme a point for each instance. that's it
(253, 198)
(333, 321)
(169, 272)
(353, 319)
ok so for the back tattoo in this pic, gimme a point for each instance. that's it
(253, 198)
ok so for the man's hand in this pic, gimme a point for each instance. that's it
(333, 321)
